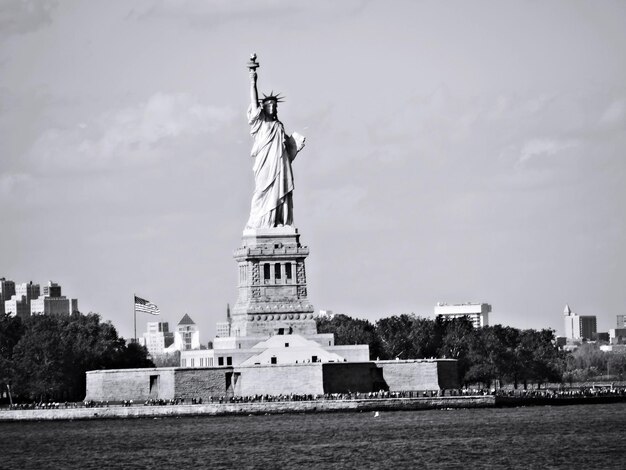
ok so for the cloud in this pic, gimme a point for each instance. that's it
(10, 183)
(614, 113)
(217, 13)
(131, 136)
(543, 148)
(24, 16)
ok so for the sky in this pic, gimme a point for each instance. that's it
(457, 151)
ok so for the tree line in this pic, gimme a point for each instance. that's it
(45, 357)
(485, 355)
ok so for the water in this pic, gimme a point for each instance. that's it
(587, 436)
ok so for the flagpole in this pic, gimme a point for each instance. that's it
(135, 316)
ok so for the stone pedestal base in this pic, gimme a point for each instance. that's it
(272, 285)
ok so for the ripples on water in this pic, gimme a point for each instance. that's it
(589, 437)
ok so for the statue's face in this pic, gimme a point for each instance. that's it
(270, 107)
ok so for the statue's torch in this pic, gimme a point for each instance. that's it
(253, 64)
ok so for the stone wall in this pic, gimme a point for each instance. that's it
(203, 383)
(130, 384)
(414, 375)
(345, 377)
(448, 373)
(279, 379)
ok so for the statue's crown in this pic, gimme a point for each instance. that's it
(272, 97)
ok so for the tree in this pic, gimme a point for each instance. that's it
(407, 336)
(349, 330)
(586, 362)
(616, 364)
(167, 360)
(538, 357)
(11, 329)
(482, 357)
(53, 353)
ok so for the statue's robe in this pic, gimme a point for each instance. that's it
(273, 151)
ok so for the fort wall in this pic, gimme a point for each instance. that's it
(415, 375)
(279, 379)
(314, 378)
(346, 377)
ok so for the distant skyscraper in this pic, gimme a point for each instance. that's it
(223, 328)
(579, 326)
(621, 321)
(187, 335)
(477, 313)
(157, 338)
(7, 290)
(51, 302)
(19, 304)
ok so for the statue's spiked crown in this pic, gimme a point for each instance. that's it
(272, 97)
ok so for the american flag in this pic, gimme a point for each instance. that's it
(145, 306)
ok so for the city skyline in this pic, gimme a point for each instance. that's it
(456, 152)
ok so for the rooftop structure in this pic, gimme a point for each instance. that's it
(477, 313)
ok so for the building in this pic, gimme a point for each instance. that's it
(157, 339)
(223, 328)
(478, 314)
(186, 336)
(579, 327)
(7, 290)
(617, 335)
(326, 314)
(215, 383)
(621, 321)
(51, 302)
(19, 304)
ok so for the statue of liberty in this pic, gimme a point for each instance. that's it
(273, 151)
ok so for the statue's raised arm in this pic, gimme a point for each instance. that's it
(254, 95)
(273, 151)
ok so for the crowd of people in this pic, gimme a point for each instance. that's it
(48, 405)
(578, 392)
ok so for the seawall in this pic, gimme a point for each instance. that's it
(221, 409)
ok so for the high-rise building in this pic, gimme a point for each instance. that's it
(187, 335)
(51, 302)
(579, 327)
(19, 304)
(223, 328)
(478, 314)
(7, 290)
(621, 321)
(157, 338)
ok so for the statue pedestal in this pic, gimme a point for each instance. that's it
(272, 285)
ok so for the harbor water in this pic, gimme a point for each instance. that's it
(560, 437)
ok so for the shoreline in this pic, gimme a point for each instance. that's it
(256, 408)
(283, 407)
